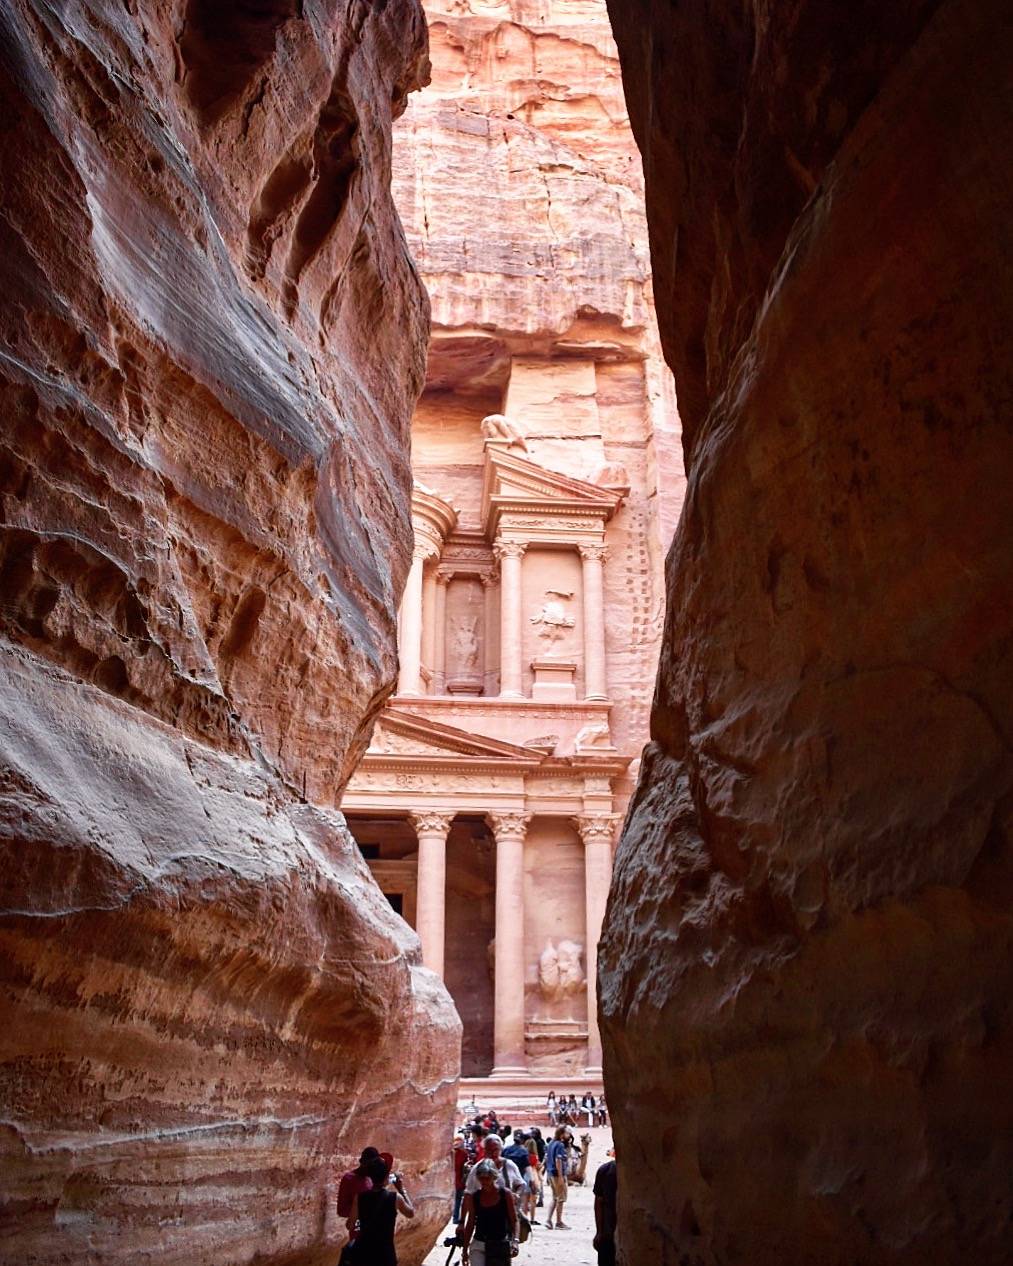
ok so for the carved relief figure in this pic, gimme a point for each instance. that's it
(465, 641)
(559, 971)
(552, 620)
(497, 426)
(595, 734)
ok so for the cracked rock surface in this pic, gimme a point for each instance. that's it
(212, 341)
(805, 979)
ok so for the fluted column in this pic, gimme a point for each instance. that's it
(509, 1057)
(596, 830)
(440, 635)
(409, 681)
(511, 677)
(431, 895)
(592, 559)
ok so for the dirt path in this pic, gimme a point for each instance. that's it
(558, 1248)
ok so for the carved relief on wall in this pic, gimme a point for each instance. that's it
(593, 737)
(464, 643)
(560, 974)
(552, 622)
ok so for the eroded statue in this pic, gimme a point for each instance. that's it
(552, 621)
(594, 734)
(559, 969)
(497, 426)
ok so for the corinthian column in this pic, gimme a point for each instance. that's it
(509, 1058)
(511, 678)
(592, 559)
(409, 681)
(431, 898)
(597, 831)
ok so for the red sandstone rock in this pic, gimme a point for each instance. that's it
(212, 343)
(806, 975)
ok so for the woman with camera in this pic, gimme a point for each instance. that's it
(490, 1233)
(376, 1214)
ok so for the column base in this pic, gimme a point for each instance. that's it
(508, 1072)
(512, 694)
(596, 698)
(593, 1070)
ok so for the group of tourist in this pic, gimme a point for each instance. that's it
(499, 1187)
(563, 1111)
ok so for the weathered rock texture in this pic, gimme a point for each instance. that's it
(212, 343)
(806, 981)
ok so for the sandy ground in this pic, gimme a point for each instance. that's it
(558, 1248)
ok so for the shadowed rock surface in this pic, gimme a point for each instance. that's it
(806, 973)
(212, 341)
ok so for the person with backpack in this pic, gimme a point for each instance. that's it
(555, 1169)
(490, 1233)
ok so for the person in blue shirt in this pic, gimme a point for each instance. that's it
(555, 1169)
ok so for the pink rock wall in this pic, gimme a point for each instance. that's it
(212, 341)
(805, 979)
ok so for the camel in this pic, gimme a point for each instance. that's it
(580, 1169)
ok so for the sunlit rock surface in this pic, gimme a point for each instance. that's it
(806, 976)
(212, 340)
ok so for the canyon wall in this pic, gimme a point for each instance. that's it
(212, 342)
(806, 975)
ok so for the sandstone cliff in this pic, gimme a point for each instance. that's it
(212, 343)
(806, 974)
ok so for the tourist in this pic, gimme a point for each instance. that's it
(603, 1116)
(573, 1111)
(606, 1187)
(490, 1233)
(533, 1179)
(476, 1143)
(587, 1105)
(460, 1156)
(555, 1171)
(536, 1133)
(373, 1217)
(550, 1109)
(518, 1153)
(355, 1181)
(507, 1172)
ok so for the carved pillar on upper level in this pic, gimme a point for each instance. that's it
(592, 559)
(510, 554)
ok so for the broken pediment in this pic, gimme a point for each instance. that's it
(514, 485)
(408, 734)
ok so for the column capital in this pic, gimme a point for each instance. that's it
(509, 549)
(487, 579)
(593, 551)
(443, 577)
(596, 828)
(509, 825)
(423, 550)
(431, 822)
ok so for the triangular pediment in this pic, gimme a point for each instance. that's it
(400, 733)
(518, 481)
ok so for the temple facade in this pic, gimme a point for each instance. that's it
(548, 478)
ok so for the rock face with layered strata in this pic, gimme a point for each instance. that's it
(212, 341)
(806, 974)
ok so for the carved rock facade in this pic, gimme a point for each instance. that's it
(806, 973)
(212, 342)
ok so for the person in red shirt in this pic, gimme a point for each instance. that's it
(460, 1155)
(354, 1181)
